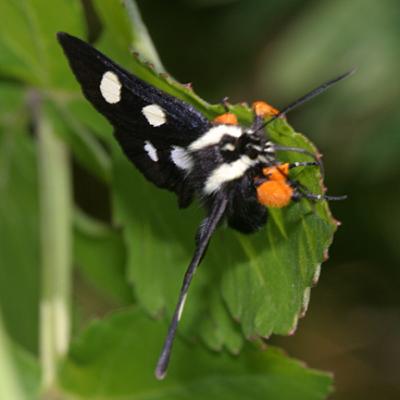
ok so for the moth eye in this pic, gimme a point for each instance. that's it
(252, 151)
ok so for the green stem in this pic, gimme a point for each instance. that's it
(55, 235)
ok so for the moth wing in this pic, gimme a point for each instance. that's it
(152, 127)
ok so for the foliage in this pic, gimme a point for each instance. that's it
(248, 286)
(100, 365)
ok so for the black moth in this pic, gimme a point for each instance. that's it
(233, 169)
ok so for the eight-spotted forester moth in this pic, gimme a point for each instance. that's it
(232, 169)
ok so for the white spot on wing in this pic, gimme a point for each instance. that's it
(154, 114)
(181, 158)
(110, 87)
(214, 135)
(151, 151)
(228, 172)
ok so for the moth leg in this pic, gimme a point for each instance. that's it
(316, 197)
(304, 164)
(300, 191)
(204, 233)
(317, 158)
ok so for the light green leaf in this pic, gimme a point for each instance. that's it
(114, 359)
(19, 371)
(27, 39)
(99, 252)
(31, 53)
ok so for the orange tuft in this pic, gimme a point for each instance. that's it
(277, 173)
(227, 119)
(263, 109)
(276, 191)
(274, 194)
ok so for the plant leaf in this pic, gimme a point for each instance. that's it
(18, 221)
(99, 252)
(114, 359)
(31, 53)
(85, 147)
(263, 280)
(19, 371)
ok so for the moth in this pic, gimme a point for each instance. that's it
(233, 170)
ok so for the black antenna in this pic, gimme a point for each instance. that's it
(315, 92)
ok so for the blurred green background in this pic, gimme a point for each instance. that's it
(275, 51)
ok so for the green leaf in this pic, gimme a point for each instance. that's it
(114, 359)
(100, 254)
(89, 152)
(31, 54)
(19, 371)
(19, 272)
(267, 282)
(27, 39)
(28, 370)
(263, 279)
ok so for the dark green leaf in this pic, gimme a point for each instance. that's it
(19, 275)
(115, 358)
(124, 29)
